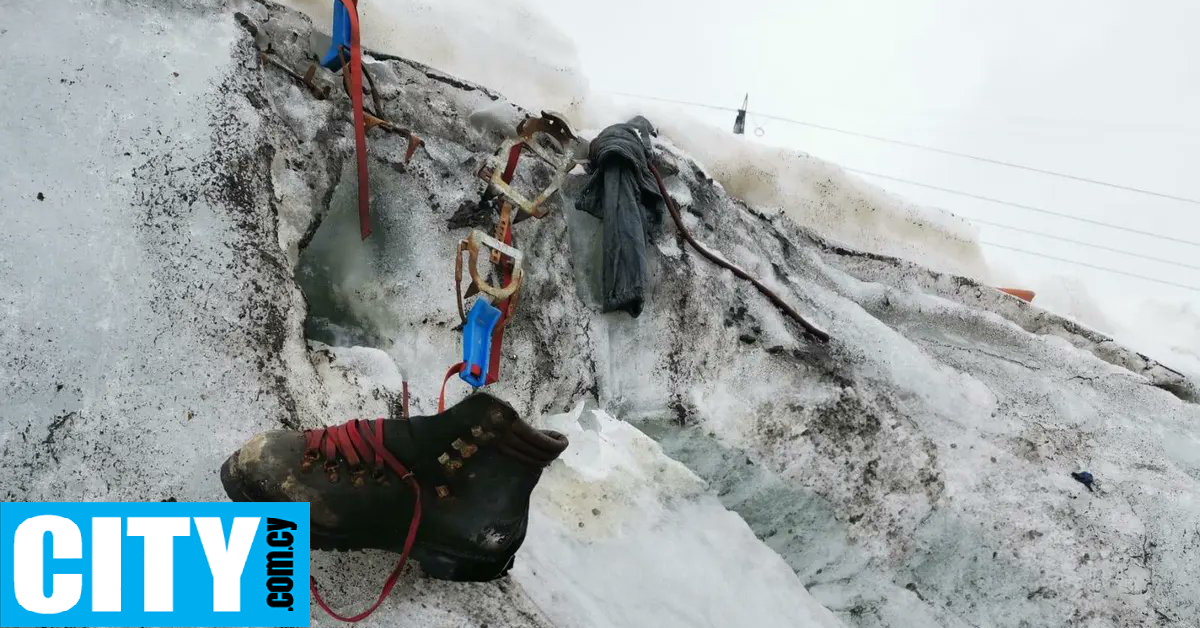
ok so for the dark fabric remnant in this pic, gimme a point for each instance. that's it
(623, 194)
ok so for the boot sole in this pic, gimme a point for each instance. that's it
(437, 563)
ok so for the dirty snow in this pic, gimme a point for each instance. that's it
(491, 44)
(621, 535)
(916, 468)
(1167, 331)
(507, 46)
(913, 472)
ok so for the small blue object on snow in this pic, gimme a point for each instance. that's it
(341, 37)
(1084, 478)
(477, 342)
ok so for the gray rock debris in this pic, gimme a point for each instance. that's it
(151, 319)
(915, 470)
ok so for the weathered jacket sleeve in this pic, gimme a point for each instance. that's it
(623, 194)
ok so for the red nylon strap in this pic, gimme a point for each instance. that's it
(367, 436)
(510, 169)
(457, 368)
(504, 306)
(360, 121)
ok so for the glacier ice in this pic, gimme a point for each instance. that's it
(912, 472)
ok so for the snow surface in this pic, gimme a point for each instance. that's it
(510, 47)
(622, 535)
(1167, 331)
(912, 472)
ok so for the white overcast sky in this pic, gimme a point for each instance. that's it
(1102, 89)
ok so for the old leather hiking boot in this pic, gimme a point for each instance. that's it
(456, 483)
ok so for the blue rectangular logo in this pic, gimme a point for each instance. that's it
(154, 564)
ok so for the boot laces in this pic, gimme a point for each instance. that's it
(360, 441)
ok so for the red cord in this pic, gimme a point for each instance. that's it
(360, 121)
(396, 571)
(450, 373)
(357, 441)
(812, 330)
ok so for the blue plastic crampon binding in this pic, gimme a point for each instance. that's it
(477, 342)
(341, 37)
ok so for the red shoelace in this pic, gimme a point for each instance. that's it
(361, 441)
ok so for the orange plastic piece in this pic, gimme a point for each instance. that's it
(1024, 295)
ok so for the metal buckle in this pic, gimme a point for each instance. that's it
(472, 244)
(549, 138)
